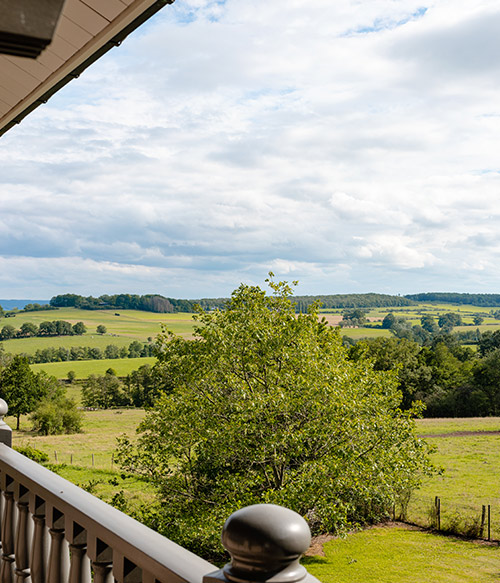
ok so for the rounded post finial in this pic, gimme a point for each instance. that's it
(265, 541)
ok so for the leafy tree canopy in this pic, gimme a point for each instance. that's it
(20, 387)
(266, 407)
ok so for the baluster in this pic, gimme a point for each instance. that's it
(22, 539)
(101, 556)
(102, 572)
(79, 569)
(7, 568)
(58, 554)
(38, 546)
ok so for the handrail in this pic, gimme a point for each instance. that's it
(149, 551)
(73, 537)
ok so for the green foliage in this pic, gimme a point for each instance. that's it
(478, 319)
(266, 407)
(56, 416)
(428, 323)
(8, 331)
(489, 342)
(103, 392)
(353, 317)
(28, 329)
(389, 321)
(101, 329)
(403, 356)
(79, 328)
(32, 453)
(148, 303)
(449, 320)
(20, 387)
(145, 384)
(457, 298)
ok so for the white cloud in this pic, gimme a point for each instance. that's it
(351, 145)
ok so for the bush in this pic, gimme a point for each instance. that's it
(265, 406)
(57, 416)
(33, 454)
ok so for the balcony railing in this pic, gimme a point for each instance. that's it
(54, 532)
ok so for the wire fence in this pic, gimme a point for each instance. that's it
(97, 460)
(473, 518)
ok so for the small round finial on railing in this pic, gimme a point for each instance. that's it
(265, 541)
(5, 430)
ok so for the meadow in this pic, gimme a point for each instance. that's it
(84, 368)
(414, 314)
(122, 327)
(468, 452)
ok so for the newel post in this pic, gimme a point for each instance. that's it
(5, 430)
(265, 542)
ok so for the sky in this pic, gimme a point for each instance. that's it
(351, 145)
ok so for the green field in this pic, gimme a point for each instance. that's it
(122, 329)
(87, 458)
(414, 314)
(402, 555)
(98, 438)
(471, 472)
(83, 368)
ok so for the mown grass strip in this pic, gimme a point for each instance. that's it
(401, 555)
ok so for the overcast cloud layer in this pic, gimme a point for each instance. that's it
(351, 145)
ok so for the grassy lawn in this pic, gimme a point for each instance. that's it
(83, 368)
(471, 472)
(401, 555)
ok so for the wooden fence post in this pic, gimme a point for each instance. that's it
(483, 518)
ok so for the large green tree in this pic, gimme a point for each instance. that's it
(266, 407)
(20, 387)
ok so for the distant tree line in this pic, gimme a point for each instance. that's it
(147, 303)
(135, 349)
(160, 304)
(54, 328)
(336, 301)
(483, 300)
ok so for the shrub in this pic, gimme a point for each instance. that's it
(56, 416)
(33, 454)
